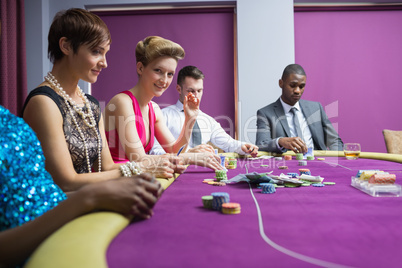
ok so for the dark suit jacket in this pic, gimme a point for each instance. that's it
(272, 124)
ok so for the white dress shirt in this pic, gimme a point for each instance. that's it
(307, 138)
(211, 130)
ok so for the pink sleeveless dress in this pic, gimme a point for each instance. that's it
(115, 146)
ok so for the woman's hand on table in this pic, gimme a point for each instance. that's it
(159, 166)
(162, 166)
(177, 163)
(209, 160)
(202, 148)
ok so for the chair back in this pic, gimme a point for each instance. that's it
(393, 141)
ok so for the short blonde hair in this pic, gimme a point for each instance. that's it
(153, 47)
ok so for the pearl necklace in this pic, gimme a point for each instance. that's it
(91, 123)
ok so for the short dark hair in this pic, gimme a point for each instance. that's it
(189, 71)
(292, 69)
(80, 27)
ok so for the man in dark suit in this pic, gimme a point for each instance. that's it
(294, 124)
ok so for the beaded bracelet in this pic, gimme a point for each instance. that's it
(125, 171)
(129, 169)
(135, 169)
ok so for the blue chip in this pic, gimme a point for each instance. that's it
(318, 184)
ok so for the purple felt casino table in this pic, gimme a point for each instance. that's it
(331, 226)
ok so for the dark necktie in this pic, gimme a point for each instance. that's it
(195, 134)
(296, 123)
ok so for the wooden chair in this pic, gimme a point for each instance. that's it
(393, 141)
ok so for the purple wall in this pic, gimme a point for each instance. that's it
(207, 39)
(353, 65)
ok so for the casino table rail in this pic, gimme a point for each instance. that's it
(369, 155)
(83, 242)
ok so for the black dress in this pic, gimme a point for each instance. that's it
(71, 134)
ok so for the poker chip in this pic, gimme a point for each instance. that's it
(267, 188)
(363, 170)
(287, 157)
(293, 174)
(329, 183)
(305, 184)
(207, 180)
(220, 183)
(291, 185)
(318, 184)
(220, 175)
(366, 175)
(310, 157)
(321, 158)
(382, 179)
(302, 163)
(232, 164)
(219, 198)
(207, 201)
(279, 186)
(278, 158)
(304, 171)
(299, 156)
(283, 167)
(231, 208)
(211, 182)
(264, 165)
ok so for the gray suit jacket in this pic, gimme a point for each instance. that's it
(272, 124)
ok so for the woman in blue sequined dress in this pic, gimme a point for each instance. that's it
(68, 122)
(32, 206)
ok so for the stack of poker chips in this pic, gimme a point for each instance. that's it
(267, 188)
(299, 156)
(287, 157)
(207, 201)
(360, 172)
(219, 198)
(293, 174)
(231, 208)
(366, 174)
(232, 163)
(302, 163)
(304, 171)
(382, 179)
(310, 157)
(221, 175)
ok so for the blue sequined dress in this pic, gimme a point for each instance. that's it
(26, 189)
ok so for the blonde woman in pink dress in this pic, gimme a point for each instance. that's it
(133, 120)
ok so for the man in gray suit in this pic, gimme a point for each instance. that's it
(294, 124)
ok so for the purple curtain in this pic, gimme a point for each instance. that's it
(207, 38)
(13, 76)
